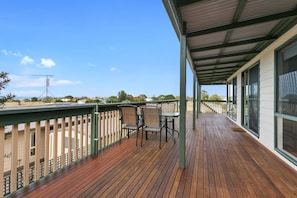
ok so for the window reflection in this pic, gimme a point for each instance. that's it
(287, 99)
(290, 136)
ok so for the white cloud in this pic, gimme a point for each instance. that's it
(47, 62)
(7, 53)
(64, 82)
(17, 54)
(24, 81)
(114, 69)
(30, 86)
(27, 60)
(91, 64)
(28, 93)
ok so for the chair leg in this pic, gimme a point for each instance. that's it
(166, 131)
(141, 136)
(136, 136)
(121, 136)
(160, 139)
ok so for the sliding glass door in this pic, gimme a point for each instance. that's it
(250, 99)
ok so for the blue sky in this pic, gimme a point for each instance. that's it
(92, 48)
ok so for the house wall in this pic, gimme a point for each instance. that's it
(267, 88)
(21, 150)
(21, 146)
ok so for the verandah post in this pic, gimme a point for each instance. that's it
(182, 118)
(194, 101)
(94, 131)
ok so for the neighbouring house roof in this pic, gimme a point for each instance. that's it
(223, 35)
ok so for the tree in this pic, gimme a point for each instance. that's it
(161, 97)
(154, 98)
(48, 99)
(138, 99)
(34, 99)
(69, 97)
(112, 99)
(122, 96)
(215, 97)
(4, 80)
(169, 97)
(142, 96)
(129, 98)
(204, 95)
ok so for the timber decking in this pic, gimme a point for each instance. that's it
(220, 162)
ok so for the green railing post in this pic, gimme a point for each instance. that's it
(94, 131)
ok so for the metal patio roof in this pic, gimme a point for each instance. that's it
(223, 35)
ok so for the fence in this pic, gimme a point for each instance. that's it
(38, 141)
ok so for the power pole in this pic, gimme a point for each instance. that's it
(46, 83)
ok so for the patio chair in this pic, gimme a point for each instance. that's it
(152, 121)
(169, 108)
(129, 120)
(151, 104)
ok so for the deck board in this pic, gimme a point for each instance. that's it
(220, 162)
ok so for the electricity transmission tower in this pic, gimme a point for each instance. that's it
(46, 83)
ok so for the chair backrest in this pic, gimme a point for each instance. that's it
(168, 107)
(128, 114)
(151, 104)
(152, 116)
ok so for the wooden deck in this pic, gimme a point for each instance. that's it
(221, 161)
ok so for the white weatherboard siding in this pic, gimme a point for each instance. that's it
(266, 121)
(267, 87)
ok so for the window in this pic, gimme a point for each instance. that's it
(250, 99)
(32, 144)
(286, 99)
(232, 98)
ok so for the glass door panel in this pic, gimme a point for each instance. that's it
(250, 99)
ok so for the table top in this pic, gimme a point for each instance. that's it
(170, 114)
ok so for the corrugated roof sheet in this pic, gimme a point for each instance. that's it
(222, 35)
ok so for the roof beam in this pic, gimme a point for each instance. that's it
(202, 70)
(217, 82)
(226, 55)
(248, 41)
(181, 3)
(202, 73)
(217, 75)
(237, 14)
(244, 23)
(222, 63)
(211, 78)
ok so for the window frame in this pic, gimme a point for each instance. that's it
(232, 88)
(278, 115)
(244, 92)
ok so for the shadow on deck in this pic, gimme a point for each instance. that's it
(221, 161)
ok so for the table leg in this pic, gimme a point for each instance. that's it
(166, 127)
